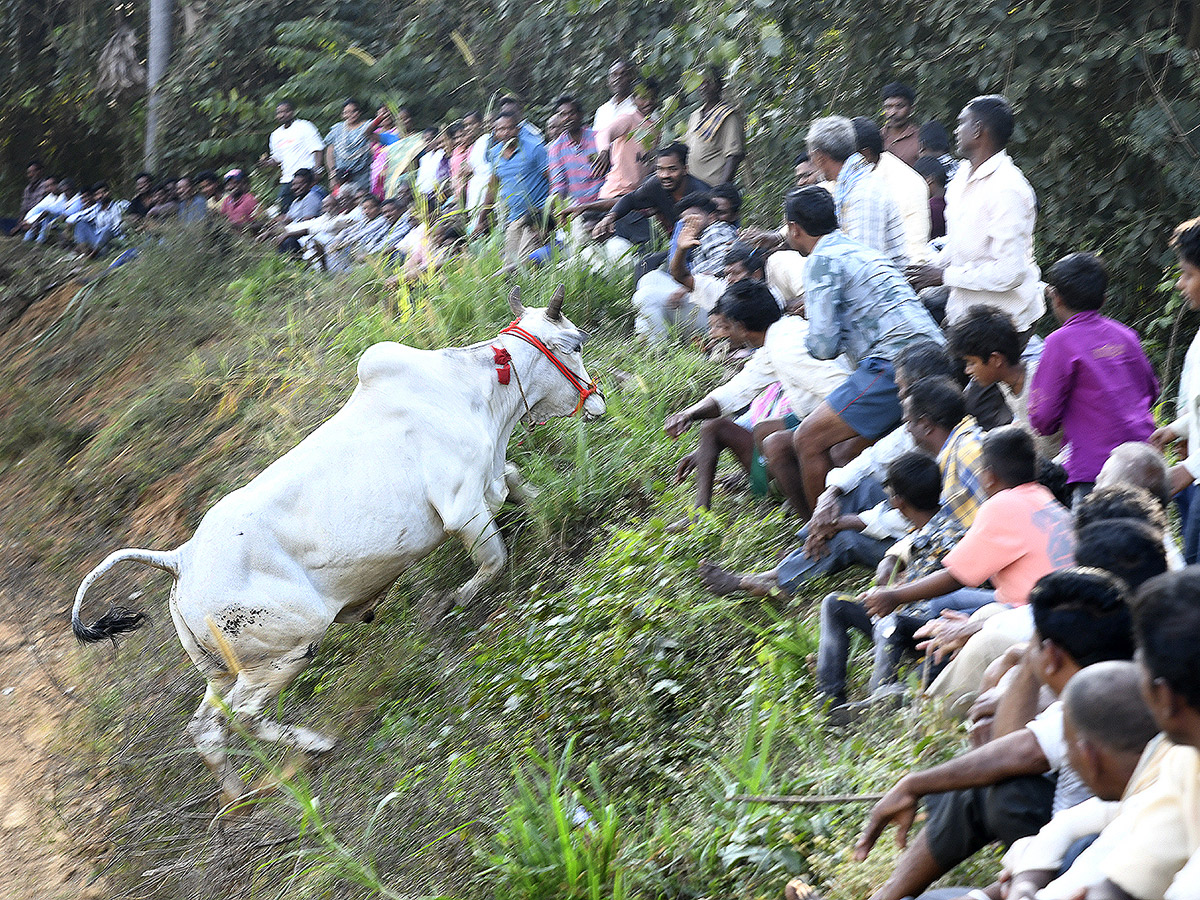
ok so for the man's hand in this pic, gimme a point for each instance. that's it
(921, 277)
(898, 805)
(885, 572)
(604, 228)
(689, 235)
(816, 545)
(825, 516)
(760, 237)
(677, 423)
(1164, 437)
(676, 298)
(685, 467)
(945, 636)
(1179, 477)
(601, 164)
(880, 601)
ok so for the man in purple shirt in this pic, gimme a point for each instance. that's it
(1094, 380)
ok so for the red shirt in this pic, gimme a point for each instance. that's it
(241, 210)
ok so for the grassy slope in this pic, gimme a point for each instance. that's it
(194, 369)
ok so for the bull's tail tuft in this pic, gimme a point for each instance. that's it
(119, 619)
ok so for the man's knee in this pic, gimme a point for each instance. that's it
(778, 445)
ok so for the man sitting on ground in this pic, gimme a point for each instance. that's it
(996, 792)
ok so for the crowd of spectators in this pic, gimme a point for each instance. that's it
(1007, 491)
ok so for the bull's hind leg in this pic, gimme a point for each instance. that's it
(209, 731)
(256, 688)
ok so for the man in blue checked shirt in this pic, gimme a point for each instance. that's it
(858, 305)
(519, 174)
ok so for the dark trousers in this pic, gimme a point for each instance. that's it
(961, 823)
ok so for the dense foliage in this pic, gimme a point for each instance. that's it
(1104, 91)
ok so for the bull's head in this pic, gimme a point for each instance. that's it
(560, 394)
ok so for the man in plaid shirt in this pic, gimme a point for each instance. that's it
(572, 161)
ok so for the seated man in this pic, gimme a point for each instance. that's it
(996, 792)
(914, 489)
(1113, 744)
(1158, 854)
(936, 419)
(98, 225)
(858, 304)
(754, 319)
(665, 299)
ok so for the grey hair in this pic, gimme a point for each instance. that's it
(833, 136)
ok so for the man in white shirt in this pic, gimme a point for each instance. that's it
(907, 189)
(296, 144)
(990, 214)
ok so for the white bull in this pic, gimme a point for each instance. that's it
(415, 455)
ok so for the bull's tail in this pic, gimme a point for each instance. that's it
(119, 619)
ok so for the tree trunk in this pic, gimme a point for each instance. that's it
(159, 53)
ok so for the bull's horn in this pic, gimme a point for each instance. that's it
(554, 310)
(514, 301)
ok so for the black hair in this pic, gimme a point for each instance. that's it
(730, 192)
(931, 167)
(985, 330)
(898, 89)
(812, 209)
(696, 200)
(1085, 612)
(867, 135)
(933, 134)
(1053, 477)
(750, 303)
(678, 150)
(1080, 280)
(206, 175)
(716, 72)
(569, 99)
(916, 479)
(99, 185)
(1186, 241)
(750, 256)
(1120, 501)
(802, 158)
(1166, 622)
(35, 162)
(1010, 453)
(143, 175)
(651, 84)
(473, 112)
(925, 359)
(306, 174)
(1131, 549)
(509, 100)
(289, 102)
(937, 399)
(996, 115)
(389, 201)
(1105, 704)
(350, 100)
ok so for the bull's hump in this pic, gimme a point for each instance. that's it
(389, 360)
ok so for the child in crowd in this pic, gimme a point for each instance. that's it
(1019, 534)
(1094, 380)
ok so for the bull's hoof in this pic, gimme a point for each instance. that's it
(369, 617)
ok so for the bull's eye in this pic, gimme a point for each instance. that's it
(584, 337)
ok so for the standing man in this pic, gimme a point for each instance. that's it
(621, 77)
(295, 144)
(571, 156)
(519, 164)
(859, 305)
(716, 137)
(990, 214)
(906, 188)
(863, 206)
(900, 133)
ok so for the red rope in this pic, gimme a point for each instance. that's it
(585, 390)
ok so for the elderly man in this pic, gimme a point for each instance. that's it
(519, 175)
(864, 208)
(990, 214)
(716, 137)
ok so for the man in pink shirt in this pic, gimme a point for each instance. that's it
(1019, 534)
(239, 205)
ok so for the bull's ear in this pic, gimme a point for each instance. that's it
(554, 310)
(514, 301)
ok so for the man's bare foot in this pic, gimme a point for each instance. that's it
(723, 583)
(799, 889)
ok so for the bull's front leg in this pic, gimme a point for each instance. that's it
(481, 536)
